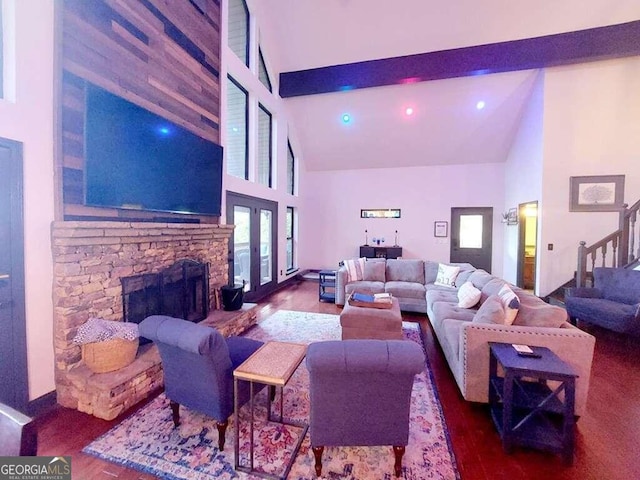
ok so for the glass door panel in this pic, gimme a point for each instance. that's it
(253, 256)
(242, 246)
(266, 247)
(470, 231)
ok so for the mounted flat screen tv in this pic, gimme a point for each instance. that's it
(135, 159)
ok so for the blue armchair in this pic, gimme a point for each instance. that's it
(613, 302)
(360, 392)
(198, 364)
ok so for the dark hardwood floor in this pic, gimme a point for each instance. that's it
(606, 437)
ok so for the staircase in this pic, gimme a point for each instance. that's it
(620, 249)
(623, 246)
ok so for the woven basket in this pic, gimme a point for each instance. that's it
(110, 355)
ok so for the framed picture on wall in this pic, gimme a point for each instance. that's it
(597, 193)
(440, 229)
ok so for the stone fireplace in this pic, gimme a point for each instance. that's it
(90, 259)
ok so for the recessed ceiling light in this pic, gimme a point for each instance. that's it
(346, 118)
(408, 111)
(480, 105)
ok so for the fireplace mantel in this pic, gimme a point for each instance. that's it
(89, 258)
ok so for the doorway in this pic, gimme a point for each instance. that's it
(527, 245)
(471, 236)
(13, 341)
(253, 245)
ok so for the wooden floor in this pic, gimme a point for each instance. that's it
(606, 442)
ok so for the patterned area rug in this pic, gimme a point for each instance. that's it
(147, 441)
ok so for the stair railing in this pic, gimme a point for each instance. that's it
(621, 244)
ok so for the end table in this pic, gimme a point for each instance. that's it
(327, 285)
(526, 409)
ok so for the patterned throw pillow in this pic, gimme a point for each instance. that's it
(468, 295)
(446, 275)
(100, 330)
(510, 302)
(355, 269)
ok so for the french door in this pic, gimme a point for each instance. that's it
(253, 245)
(13, 342)
(471, 236)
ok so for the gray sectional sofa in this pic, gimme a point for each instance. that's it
(464, 334)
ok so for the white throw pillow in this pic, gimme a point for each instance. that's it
(468, 295)
(510, 302)
(446, 275)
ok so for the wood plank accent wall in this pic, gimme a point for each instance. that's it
(163, 55)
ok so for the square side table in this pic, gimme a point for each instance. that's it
(327, 285)
(525, 408)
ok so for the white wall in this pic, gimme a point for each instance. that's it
(591, 127)
(27, 117)
(332, 230)
(282, 130)
(523, 172)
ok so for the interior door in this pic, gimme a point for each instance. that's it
(527, 245)
(253, 246)
(471, 236)
(13, 344)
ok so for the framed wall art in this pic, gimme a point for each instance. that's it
(440, 229)
(597, 193)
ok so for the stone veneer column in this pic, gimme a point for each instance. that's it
(89, 258)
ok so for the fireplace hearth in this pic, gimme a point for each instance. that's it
(90, 260)
(181, 291)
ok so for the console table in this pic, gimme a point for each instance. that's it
(528, 412)
(375, 251)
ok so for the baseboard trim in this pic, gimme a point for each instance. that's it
(42, 404)
(289, 281)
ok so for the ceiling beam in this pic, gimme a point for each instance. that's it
(594, 44)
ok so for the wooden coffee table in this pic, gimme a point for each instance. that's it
(272, 364)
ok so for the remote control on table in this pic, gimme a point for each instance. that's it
(525, 351)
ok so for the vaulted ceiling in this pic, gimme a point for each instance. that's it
(445, 126)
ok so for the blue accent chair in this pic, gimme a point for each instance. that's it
(612, 303)
(360, 392)
(198, 364)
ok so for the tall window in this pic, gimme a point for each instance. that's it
(263, 74)
(291, 170)
(290, 235)
(237, 130)
(238, 29)
(264, 146)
